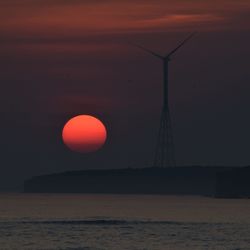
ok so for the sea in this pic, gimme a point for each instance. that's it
(145, 222)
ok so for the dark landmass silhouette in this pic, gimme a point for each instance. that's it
(221, 182)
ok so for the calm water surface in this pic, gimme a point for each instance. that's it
(79, 221)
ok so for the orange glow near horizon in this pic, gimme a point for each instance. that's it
(84, 134)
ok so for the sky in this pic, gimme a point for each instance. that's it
(61, 58)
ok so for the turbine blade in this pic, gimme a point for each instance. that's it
(180, 45)
(149, 51)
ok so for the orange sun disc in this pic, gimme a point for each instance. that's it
(84, 134)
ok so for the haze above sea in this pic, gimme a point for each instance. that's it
(81, 221)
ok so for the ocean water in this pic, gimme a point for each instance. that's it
(148, 222)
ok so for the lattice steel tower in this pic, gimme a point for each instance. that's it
(164, 153)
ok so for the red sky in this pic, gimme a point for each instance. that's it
(65, 57)
(69, 18)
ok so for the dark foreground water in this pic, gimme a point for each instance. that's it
(46, 221)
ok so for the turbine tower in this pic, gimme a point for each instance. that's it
(164, 153)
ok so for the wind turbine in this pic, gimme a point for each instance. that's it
(164, 153)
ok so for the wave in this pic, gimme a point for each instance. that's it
(98, 222)
(112, 222)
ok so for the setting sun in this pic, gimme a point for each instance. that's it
(84, 134)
